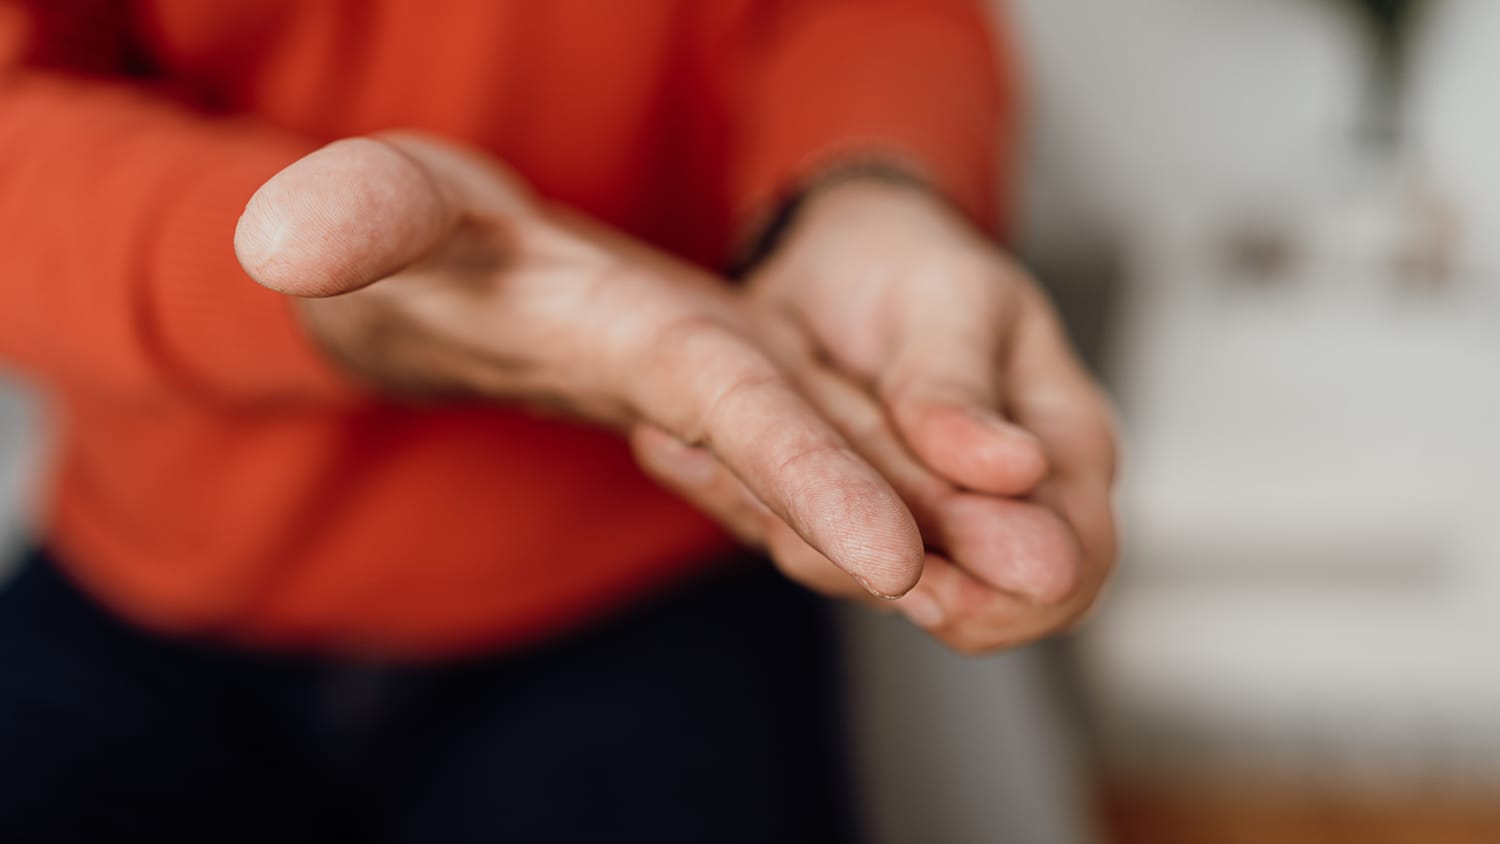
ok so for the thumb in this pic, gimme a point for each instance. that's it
(361, 209)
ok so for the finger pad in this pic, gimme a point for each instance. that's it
(344, 216)
(977, 456)
(1014, 545)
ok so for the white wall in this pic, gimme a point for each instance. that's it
(1312, 576)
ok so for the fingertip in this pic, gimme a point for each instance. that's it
(850, 513)
(1020, 547)
(1051, 580)
(879, 545)
(975, 448)
(339, 219)
(258, 236)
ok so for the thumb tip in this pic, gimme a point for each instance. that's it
(338, 219)
(258, 239)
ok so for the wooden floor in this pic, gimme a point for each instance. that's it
(1142, 816)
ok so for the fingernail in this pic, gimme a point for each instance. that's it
(922, 609)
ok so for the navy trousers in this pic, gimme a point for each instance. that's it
(709, 716)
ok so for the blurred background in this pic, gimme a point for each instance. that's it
(1272, 224)
(1275, 227)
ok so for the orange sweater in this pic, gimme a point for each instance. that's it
(215, 477)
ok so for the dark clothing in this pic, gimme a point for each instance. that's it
(706, 717)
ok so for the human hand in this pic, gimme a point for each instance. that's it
(981, 415)
(429, 269)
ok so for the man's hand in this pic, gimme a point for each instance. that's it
(429, 269)
(948, 370)
(857, 389)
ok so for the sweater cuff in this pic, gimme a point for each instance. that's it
(917, 91)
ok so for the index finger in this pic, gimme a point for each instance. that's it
(708, 386)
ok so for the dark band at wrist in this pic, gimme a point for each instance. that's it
(779, 222)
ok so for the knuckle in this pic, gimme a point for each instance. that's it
(674, 336)
(730, 396)
(670, 325)
(789, 465)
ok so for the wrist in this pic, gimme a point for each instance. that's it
(889, 177)
(862, 197)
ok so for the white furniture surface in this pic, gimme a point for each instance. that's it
(1312, 574)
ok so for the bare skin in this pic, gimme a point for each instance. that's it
(888, 407)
